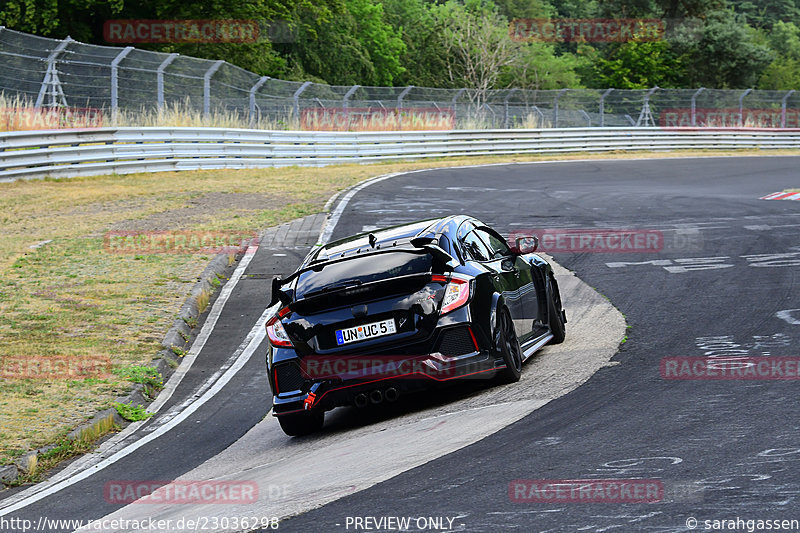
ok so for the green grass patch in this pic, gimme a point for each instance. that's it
(132, 413)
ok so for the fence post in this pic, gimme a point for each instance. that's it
(555, 107)
(783, 107)
(115, 82)
(694, 105)
(51, 75)
(207, 86)
(160, 78)
(603, 107)
(741, 107)
(345, 105)
(646, 115)
(455, 104)
(505, 107)
(296, 98)
(400, 106)
(253, 90)
(541, 115)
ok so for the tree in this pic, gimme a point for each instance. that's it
(724, 54)
(382, 42)
(424, 56)
(784, 72)
(81, 19)
(767, 13)
(478, 46)
(538, 67)
(636, 65)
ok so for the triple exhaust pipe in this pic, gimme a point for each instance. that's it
(376, 396)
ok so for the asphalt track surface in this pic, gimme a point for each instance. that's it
(723, 286)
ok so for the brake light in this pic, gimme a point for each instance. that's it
(456, 294)
(275, 331)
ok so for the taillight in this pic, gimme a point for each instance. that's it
(275, 331)
(456, 294)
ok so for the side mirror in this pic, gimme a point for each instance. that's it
(527, 245)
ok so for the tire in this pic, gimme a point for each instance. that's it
(555, 314)
(509, 346)
(299, 424)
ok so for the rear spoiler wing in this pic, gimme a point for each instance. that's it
(422, 246)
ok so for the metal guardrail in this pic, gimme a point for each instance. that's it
(69, 153)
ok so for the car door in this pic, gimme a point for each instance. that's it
(519, 281)
(501, 272)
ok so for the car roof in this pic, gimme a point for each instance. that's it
(400, 235)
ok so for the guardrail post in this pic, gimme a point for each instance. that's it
(555, 106)
(345, 105)
(115, 82)
(694, 105)
(253, 90)
(505, 107)
(51, 75)
(207, 86)
(741, 107)
(296, 98)
(160, 78)
(783, 107)
(603, 107)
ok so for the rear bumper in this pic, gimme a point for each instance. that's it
(344, 379)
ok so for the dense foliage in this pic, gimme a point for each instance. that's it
(455, 43)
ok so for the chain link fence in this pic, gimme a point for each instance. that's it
(64, 74)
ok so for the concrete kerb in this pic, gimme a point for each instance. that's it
(176, 341)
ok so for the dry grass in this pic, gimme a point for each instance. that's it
(72, 298)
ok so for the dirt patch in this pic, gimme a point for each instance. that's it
(203, 208)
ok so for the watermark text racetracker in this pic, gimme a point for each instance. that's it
(53, 367)
(186, 492)
(586, 30)
(615, 241)
(178, 242)
(198, 31)
(586, 490)
(730, 368)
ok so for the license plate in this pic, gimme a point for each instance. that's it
(367, 331)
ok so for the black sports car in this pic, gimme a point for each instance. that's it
(368, 318)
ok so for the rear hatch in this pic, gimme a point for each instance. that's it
(363, 304)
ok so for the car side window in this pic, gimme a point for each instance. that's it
(497, 246)
(475, 247)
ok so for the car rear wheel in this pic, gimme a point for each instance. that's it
(509, 346)
(299, 424)
(556, 314)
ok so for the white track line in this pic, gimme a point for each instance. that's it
(205, 332)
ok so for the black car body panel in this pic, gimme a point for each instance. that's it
(381, 313)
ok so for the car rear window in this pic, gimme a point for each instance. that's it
(361, 270)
